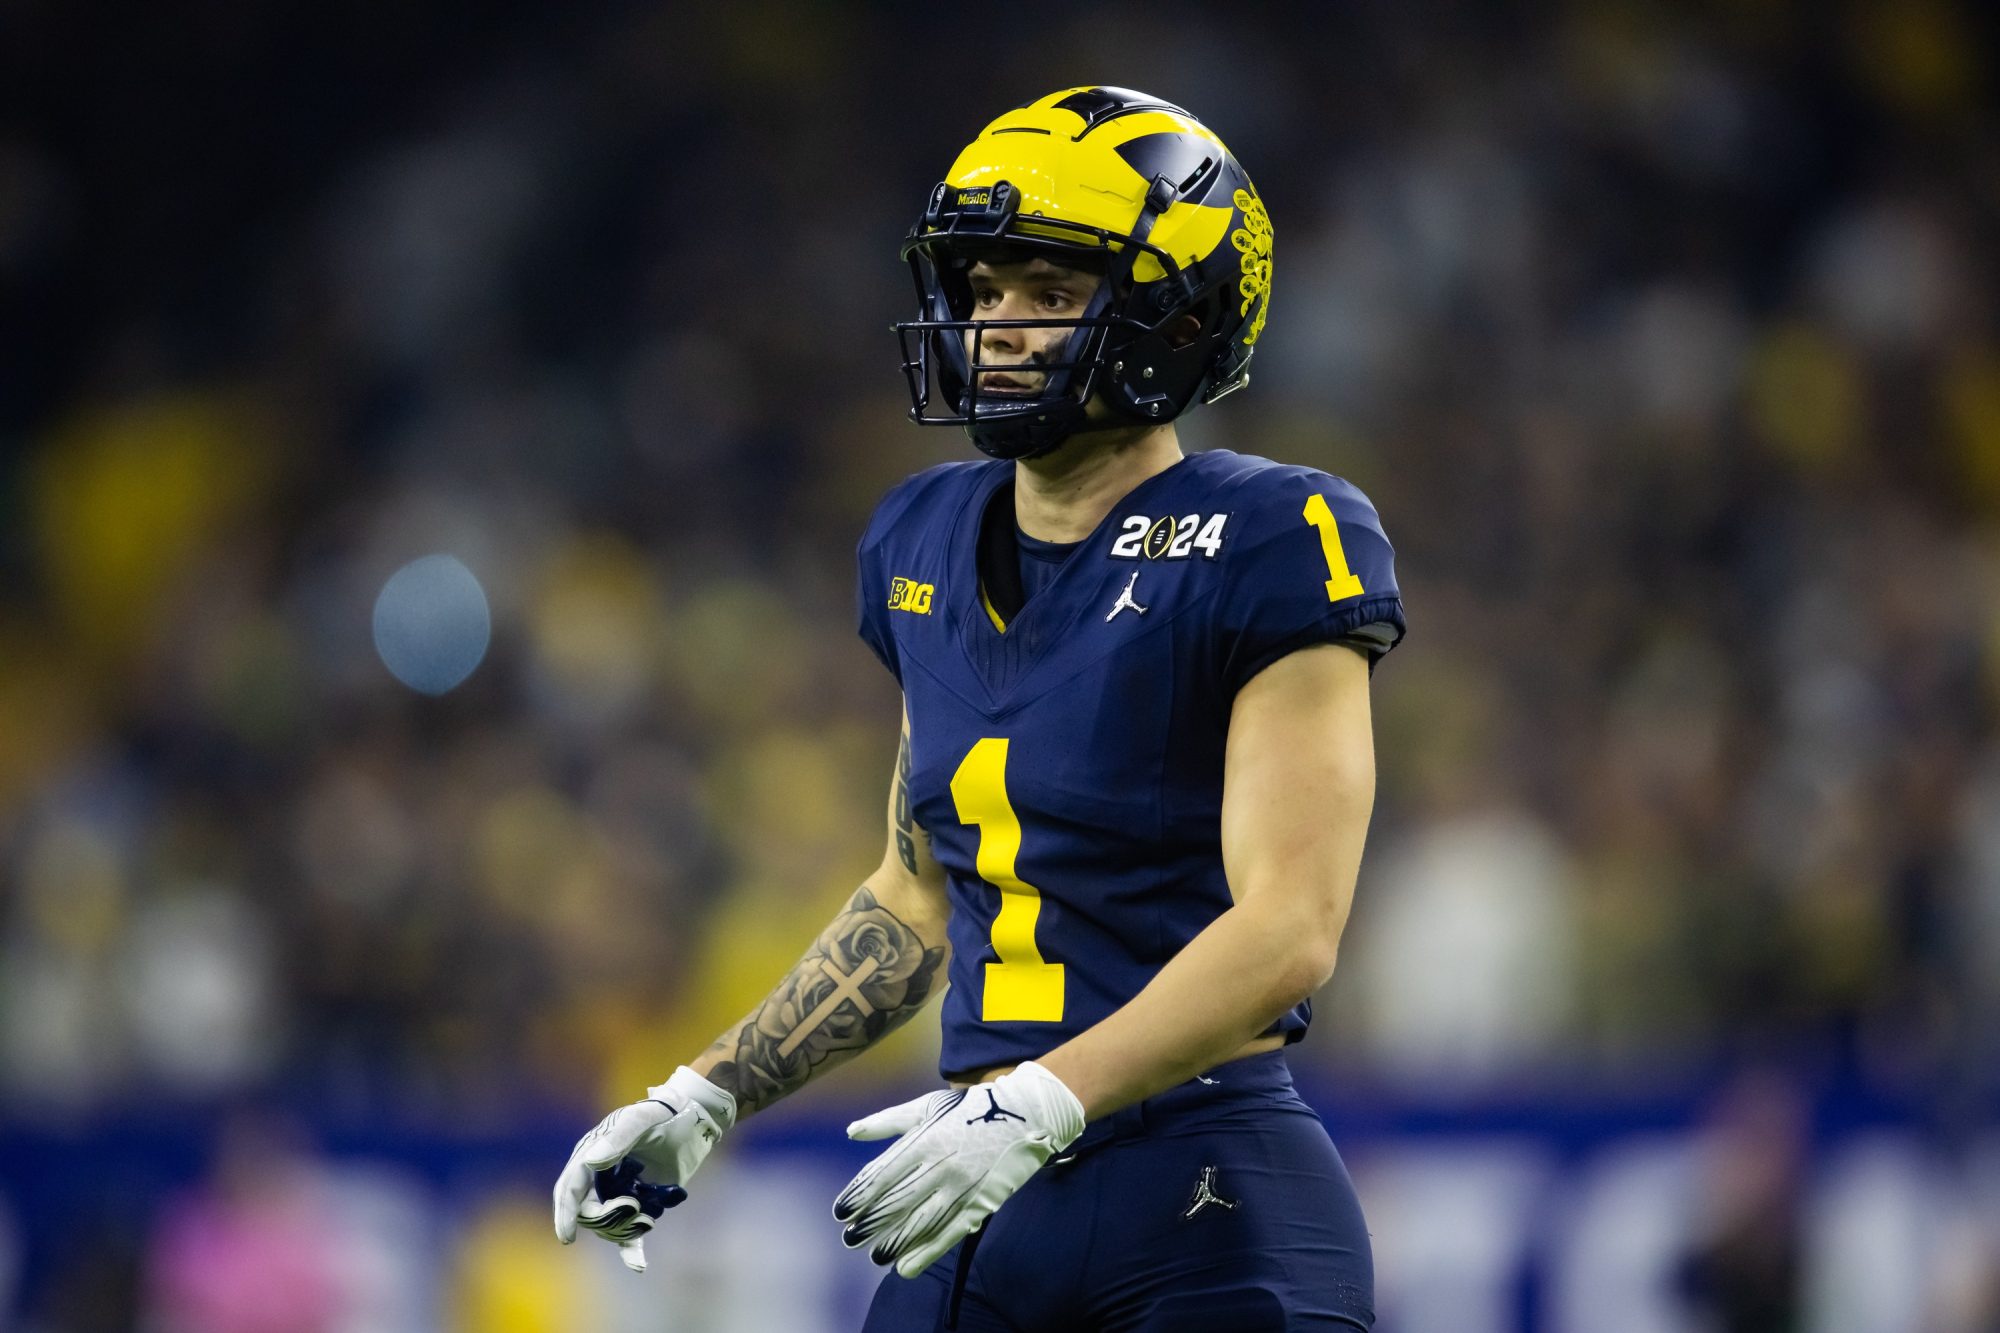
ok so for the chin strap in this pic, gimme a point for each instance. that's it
(1095, 426)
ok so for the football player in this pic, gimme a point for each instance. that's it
(1134, 781)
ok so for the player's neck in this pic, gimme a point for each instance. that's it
(1063, 496)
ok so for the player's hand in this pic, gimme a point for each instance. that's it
(962, 1154)
(602, 1187)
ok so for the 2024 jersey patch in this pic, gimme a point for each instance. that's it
(1170, 538)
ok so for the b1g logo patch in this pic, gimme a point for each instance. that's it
(1169, 538)
(909, 595)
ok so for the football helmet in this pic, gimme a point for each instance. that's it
(1114, 181)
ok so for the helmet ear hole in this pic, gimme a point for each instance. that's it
(1182, 331)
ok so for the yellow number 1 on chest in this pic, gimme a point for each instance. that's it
(1341, 581)
(1020, 987)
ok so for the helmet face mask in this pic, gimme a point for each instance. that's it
(1169, 324)
(947, 341)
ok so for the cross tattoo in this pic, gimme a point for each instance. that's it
(846, 986)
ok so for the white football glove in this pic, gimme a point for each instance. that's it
(665, 1137)
(962, 1154)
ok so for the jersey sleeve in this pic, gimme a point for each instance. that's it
(875, 629)
(871, 586)
(900, 511)
(1312, 566)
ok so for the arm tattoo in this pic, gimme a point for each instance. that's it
(906, 846)
(865, 976)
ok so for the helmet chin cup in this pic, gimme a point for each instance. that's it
(1026, 429)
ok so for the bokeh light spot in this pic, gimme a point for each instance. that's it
(432, 624)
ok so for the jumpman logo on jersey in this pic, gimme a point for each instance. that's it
(1125, 598)
(994, 1111)
(1204, 1194)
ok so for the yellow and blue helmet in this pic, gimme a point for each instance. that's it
(1108, 179)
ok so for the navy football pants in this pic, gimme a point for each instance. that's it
(1101, 1240)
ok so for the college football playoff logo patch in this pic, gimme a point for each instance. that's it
(1169, 538)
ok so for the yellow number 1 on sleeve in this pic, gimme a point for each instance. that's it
(1020, 987)
(1341, 582)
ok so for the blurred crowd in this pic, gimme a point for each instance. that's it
(1663, 337)
(1666, 349)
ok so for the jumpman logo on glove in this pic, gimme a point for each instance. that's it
(938, 1181)
(994, 1111)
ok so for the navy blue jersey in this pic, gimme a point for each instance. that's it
(1067, 764)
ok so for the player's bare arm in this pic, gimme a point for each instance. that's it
(874, 966)
(1298, 788)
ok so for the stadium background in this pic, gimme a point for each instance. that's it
(1662, 335)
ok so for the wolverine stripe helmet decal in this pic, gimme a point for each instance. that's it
(1119, 182)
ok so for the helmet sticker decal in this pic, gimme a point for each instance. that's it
(1253, 238)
